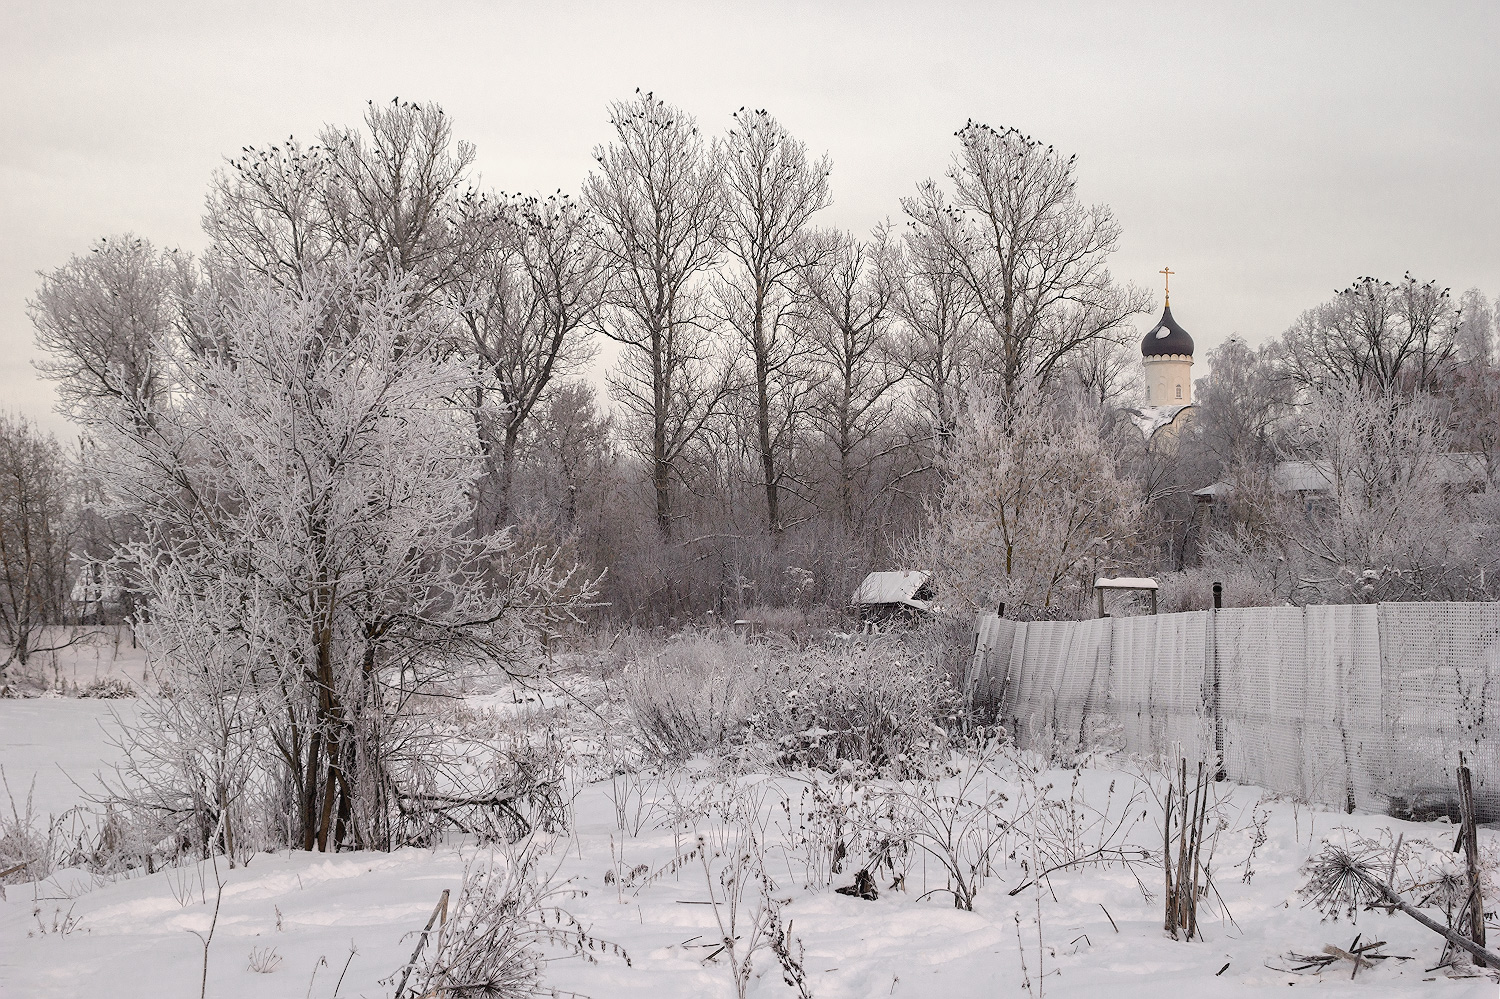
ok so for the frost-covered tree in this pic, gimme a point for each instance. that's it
(1475, 343)
(303, 499)
(772, 189)
(37, 508)
(106, 321)
(1395, 521)
(1031, 254)
(657, 195)
(1032, 502)
(1239, 405)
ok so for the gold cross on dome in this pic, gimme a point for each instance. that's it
(1168, 272)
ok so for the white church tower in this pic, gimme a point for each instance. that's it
(1167, 358)
(1167, 353)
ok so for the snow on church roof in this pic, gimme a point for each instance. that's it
(1150, 419)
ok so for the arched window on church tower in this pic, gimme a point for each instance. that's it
(1179, 391)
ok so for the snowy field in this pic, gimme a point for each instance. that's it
(321, 925)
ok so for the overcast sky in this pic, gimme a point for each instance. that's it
(1269, 153)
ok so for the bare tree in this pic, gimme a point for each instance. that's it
(283, 209)
(935, 340)
(656, 194)
(1104, 369)
(267, 212)
(1376, 334)
(35, 541)
(772, 191)
(853, 290)
(390, 194)
(1032, 256)
(531, 284)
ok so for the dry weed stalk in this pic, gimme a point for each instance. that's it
(1343, 879)
(1185, 883)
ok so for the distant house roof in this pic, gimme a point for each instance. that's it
(1301, 477)
(1454, 469)
(907, 587)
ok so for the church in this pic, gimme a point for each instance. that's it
(1167, 357)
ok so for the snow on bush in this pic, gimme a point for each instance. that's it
(886, 702)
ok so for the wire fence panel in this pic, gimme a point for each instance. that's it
(1156, 687)
(1262, 677)
(1440, 663)
(1360, 706)
(985, 681)
(1344, 747)
(1059, 679)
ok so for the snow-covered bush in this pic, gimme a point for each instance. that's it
(694, 692)
(875, 702)
(1193, 588)
(107, 688)
(886, 701)
(28, 844)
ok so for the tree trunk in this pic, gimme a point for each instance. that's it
(661, 466)
(507, 474)
(767, 458)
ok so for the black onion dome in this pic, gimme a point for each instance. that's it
(1166, 337)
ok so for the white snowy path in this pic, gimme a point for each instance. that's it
(130, 939)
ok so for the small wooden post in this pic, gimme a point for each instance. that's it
(1471, 857)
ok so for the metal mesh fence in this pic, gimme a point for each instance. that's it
(1364, 706)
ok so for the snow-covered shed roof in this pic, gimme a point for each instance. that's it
(900, 587)
(1125, 583)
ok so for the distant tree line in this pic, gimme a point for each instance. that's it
(789, 405)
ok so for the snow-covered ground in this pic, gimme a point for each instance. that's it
(60, 743)
(339, 924)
